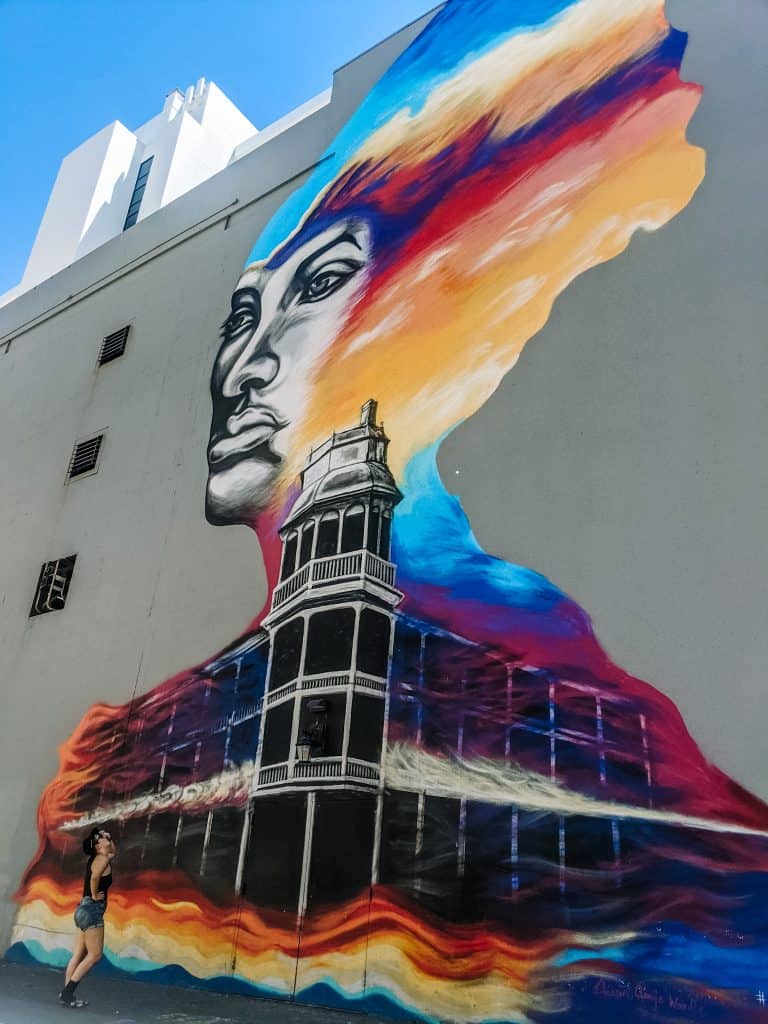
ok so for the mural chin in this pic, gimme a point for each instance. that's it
(238, 490)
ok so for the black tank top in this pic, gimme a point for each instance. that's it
(104, 882)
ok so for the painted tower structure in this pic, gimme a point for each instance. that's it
(317, 780)
(331, 619)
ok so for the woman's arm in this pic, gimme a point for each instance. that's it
(97, 870)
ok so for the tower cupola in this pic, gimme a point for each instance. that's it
(331, 619)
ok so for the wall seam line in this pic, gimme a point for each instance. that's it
(158, 250)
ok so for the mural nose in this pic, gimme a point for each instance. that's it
(257, 367)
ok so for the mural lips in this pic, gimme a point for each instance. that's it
(249, 433)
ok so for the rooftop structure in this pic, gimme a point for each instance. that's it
(118, 176)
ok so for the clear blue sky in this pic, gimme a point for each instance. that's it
(69, 67)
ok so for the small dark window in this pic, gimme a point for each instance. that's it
(354, 526)
(138, 193)
(276, 745)
(113, 345)
(538, 846)
(219, 867)
(366, 727)
(189, 849)
(141, 177)
(328, 535)
(159, 839)
(53, 585)
(373, 643)
(307, 537)
(329, 641)
(85, 456)
(342, 848)
(386, 530)
(289, 557)
(286, 653)
(629, 774)
(373, 530)
(272, 876)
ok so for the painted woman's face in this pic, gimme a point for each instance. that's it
(281, 322)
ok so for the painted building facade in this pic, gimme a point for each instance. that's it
(412, 779)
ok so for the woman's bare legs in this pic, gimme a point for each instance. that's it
(78, 952)
(94, 945)
(87, 952)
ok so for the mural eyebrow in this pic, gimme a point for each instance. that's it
(252, 294)
(346, 236)
(300, 275)
(250, 297)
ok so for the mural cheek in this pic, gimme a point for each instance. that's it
(315, 367)
(304, 361)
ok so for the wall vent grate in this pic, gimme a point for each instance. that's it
(53, 585)
(85, 456)
(113, 346)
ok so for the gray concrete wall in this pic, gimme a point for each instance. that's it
(155, 589)
(637, 479)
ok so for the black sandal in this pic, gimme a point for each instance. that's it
(75, 1004)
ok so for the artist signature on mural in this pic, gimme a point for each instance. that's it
(654, 997)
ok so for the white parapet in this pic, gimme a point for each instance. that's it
(92, 186)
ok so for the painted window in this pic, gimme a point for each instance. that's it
(328, 535)
(307, 540)
(342, 848)
(277, 734)
(286, 653)
(386, 531)
(289, 556)
(373, 529)
(366, 727)
(329, 641)
(373, 643)
(354, 528)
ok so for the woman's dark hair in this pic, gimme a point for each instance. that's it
(89, 843)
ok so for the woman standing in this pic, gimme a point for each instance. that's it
(89, 916)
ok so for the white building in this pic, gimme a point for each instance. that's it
(118, 176)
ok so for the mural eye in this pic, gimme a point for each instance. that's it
(237, 321)
(327, 280)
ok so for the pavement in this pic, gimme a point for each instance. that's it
(28, 995)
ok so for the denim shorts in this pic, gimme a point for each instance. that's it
(89, 914)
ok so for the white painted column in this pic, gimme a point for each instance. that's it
(307, 856)
(243, 848)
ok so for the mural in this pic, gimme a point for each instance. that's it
(418, 784)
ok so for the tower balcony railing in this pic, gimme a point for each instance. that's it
(328, 681)
(349, 567)
(322, 768)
